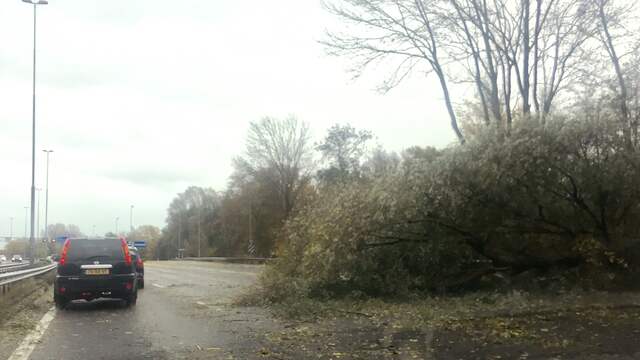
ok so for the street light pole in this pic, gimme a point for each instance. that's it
(46, 200)
(33, 130)
(38, 216)
(131, 219)
(26, 212)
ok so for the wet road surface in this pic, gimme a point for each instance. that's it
(184, 312)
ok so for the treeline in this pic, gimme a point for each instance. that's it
(20, 246)
(280, 168)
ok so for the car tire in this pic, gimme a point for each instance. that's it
(61, 303)
(141, 284)
(131, 300)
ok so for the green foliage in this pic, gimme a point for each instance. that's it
(443, 219)
(363, 236)
(551, 184)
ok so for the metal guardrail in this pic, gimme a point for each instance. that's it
(10, 264)
(12, 267)
(15, 276)
(237, 260)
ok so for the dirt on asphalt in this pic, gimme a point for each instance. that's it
(20, 311)
(587, 326)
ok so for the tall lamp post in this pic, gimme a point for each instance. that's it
(38, 215)
(46, 200)
(33, 128)
(26, 217)
(131, 219)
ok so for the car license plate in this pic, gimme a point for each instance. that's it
(97, 271)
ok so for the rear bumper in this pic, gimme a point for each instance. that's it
(88, 288)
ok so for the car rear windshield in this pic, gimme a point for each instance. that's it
(95, 249)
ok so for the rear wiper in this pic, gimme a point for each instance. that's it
(96, 256)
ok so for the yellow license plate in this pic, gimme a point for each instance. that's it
(97, 271)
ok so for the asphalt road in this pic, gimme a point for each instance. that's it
(184, 312)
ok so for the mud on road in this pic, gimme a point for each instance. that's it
(21, 309)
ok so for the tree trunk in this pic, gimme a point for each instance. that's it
(615, 60)
(536, 55)
(447, 100)
(526, 50)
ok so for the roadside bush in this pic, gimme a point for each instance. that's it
(526, 201)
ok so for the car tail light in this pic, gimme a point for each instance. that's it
(139, 262)
(128, 286)
(125, 251)
(65, 249)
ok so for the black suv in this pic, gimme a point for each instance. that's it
(95, 268)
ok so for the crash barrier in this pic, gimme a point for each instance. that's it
(11, 278)
(12, 267)
(235, 260)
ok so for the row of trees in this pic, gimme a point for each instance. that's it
(20, 245)
(268, 182)
(149, 233)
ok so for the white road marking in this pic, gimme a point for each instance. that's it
(159, 286)
(30, 341)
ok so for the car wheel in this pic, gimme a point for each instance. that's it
(61, 303)
(131, 300)
(141, 284)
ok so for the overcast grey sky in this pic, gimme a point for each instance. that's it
(140, 99)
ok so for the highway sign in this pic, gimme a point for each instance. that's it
(140, 244)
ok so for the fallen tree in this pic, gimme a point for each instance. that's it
(559, 195)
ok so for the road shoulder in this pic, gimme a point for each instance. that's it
(22, 316)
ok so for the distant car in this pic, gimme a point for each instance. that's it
(16, 258)
(3, 258)
(137, 260)
(89, 269)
